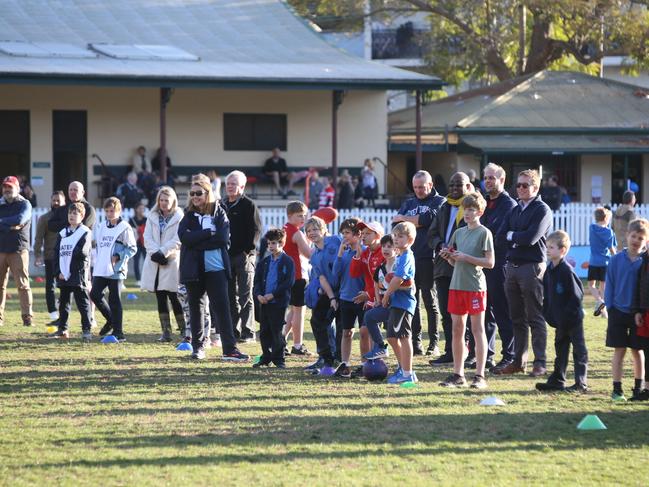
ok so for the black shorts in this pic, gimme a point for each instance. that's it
(350, 313)
(399, 324)
(622, 331)
(596, 273)
(297, 293)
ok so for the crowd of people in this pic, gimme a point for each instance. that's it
(482, 265)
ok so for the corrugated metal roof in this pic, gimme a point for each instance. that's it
(259, 42)
(548, 144)
(547, 100)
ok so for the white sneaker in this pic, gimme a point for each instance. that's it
(54, 315)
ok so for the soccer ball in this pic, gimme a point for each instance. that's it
(375, 370)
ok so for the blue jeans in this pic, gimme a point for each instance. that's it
(372, 319)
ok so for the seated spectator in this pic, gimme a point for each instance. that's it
(128, 193)
(276, 170)
(327, 194)
(140, 161)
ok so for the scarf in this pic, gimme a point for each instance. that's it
(460, 209)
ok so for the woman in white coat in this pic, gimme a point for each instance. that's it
(160, 271)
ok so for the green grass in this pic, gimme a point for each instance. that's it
(140, 413)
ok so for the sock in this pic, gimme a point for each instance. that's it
(617, 387)
(297, 345)
(407, 373)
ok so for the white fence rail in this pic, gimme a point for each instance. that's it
(574, 218)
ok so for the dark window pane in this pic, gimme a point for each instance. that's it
(259, 132)
(14, 143)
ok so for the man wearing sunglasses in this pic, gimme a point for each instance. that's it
(523, 232)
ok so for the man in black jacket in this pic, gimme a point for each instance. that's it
(446, 221)
(59, 218)
(523, 232)
(245, 228)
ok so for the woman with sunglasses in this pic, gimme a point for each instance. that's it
(204, 234)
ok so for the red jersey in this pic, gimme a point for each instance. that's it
(291, 248)
(366, 266)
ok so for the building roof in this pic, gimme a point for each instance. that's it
(548, 100)
(255, 43)
(558, 144)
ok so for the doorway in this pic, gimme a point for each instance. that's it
(14, 144)
(69, 147)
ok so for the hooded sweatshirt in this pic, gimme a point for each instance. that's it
(621, 218)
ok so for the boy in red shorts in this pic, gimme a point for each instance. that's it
(470, 249)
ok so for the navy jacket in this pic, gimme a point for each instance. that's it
(493, 217)
(426, 208)
(562, 296)
(16, 213)
(437, 237)
(79, 265)
(285, 279)
(195, 241)
(530, 228)
(245, 225)
(59, 219)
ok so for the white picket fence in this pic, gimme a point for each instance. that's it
(574, 218)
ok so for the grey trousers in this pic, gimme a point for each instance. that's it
(524, 290)
(241, 300)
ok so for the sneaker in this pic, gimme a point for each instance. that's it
(199, 354)
(54, 315)
(500, 365)
(286, 351)
(642, 395)
(599, 307)
(433, 351)
(246, 339)
(377, 351)
(301, 350)
(317, 365)
(106, 329)
(454, 380)
(120, 338)
(489, 364)
(441, 361)
(87, 336)
(61, 335)
(280, 365)
(357, 372)
(618, 397)
(187, 339)
(549, 387)
(470, 363)
(478, 382)
(235, 356)
(417, 351)
(403, 378)
(577, 388)
(27, 322)
(261, 363)
(396, 377)
(509, 369)
(344, 371)
(164, 338)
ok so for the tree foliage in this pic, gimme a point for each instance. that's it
(474, 39)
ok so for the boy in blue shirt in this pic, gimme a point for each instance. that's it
(320, 294)
(349, 286)
(621, 282)
(274, 278)
(602, 246)
(402, 303)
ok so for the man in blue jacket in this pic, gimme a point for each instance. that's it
(420, 211)
(15, 222)
(523, 232)
(499, 204)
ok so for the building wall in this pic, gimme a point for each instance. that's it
(120, 119)
(595, 165)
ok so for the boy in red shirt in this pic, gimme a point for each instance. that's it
(296, 245)
(364, 264)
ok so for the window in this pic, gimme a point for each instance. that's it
(258, 132)
(14, 143)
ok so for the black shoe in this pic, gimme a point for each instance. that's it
(317, 365)
(302, 350)
(106, 329)
(642, 395)
(549, 387)
(357, 372)
(443, 360)
(261, 363)
(470, 363)
(490, 364)
(577, 388)
(500, 365)
(343, 371)
(433, 350)
(120, 337)
(280, 365)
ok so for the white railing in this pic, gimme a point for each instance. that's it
(574, 218)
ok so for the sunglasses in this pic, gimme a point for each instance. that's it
(523, 185)
(196, 193)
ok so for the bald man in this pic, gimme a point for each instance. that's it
(59, 218)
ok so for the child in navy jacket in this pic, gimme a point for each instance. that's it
(274, 278)
(562, 297)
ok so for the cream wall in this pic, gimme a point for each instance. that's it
(595, 165)
(120, 119)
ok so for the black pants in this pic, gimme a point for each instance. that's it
(425, 291)
(50, 285)
(138, 258)
(111, 310)
(563, 338)
(242, 307)
(166, 297)
(322, 317)
(215, 284)
(82, 298)
(271, 324)
(442, 285)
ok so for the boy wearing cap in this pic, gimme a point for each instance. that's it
(15, 222)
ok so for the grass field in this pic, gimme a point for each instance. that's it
(140, 413)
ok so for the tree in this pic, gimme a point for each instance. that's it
(474, 39)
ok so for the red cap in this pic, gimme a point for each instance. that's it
(11, 181)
